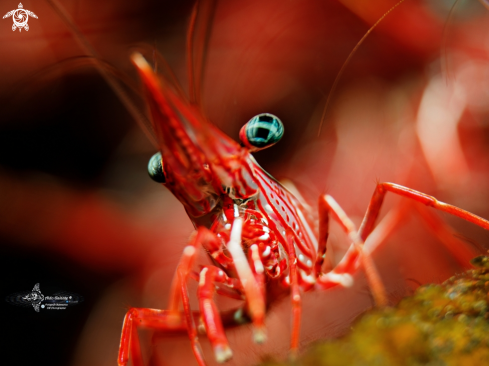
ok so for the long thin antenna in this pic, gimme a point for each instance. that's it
(485, 3)
(190, 59)
(443, 50)
(347, 61)
(140, 118)
(198, 38)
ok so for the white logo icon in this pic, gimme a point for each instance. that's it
(20, 17)
(35, 297)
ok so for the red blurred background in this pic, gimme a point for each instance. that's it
(80, 214)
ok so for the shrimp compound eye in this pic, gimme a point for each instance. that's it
(262, 131)
(155, 168)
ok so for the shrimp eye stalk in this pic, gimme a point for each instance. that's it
(262, 131)
(155, 168)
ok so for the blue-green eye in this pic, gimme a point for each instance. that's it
(262, 131)
(155, 168)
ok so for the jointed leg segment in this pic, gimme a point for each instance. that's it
(210, 314)
(254, 295)
(295, 296)
(349, 263)
(378, 197)
(163, 320)
(176, 320)
(342, 272)
(166, 320)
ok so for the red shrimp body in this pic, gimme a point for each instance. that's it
(213, 176)
(254, 230)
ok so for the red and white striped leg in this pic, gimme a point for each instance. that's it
(166, 320)
(172, 319)
(163, 320)
(191, 328)
(459, 249)
(342, 273)
(208, 277)
(249, 283)
(258, 270)
(254, 294)
(203, 237)
(295, 297)
(461, 252)
(378, 197)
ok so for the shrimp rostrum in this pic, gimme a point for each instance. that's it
(260, 238)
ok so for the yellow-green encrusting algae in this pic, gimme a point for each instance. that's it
(439, 325)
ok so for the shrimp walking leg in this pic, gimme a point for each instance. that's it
(459, 249)
(179, 286)
(378, 197)
(327, 206)
(191, 328)
(295, 297)
(253, 293)
(202, 237)
(348, 264)
(209, 275)
(174, 319)
(252, 289)
(166, 320)
(163, 320)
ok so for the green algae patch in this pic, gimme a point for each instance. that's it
(439, 325)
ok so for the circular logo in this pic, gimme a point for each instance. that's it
(20, 18)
